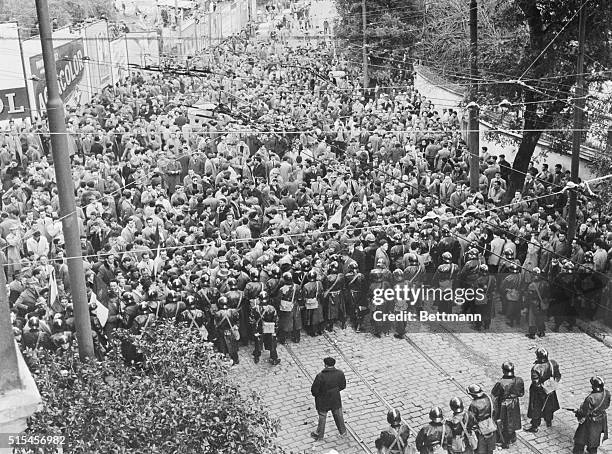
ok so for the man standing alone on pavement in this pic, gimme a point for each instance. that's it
(326, 390)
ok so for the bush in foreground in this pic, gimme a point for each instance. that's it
(179, 401)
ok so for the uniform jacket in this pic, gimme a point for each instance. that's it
(593, 409)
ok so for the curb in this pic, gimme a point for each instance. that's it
(595, 333)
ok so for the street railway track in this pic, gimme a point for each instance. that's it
(456, 382)
(374, 392)
(364, 446)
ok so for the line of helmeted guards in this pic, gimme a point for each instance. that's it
(492, 419)
(273, 298)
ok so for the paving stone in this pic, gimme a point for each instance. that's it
(402, 377)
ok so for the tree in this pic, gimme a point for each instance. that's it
(530, 41)
(65, 11)
(179, 400)
(392, 27)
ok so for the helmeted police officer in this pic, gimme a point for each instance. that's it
(592, 418)
(543, 402)
(264, 324)
(394, 439)
(506, 394)
(434, 438)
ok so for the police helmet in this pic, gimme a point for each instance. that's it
(597, 383)
(436, 415)
(447, 257)
(508, 369)
(176, 284)
(232, 283)
(275, 272)
(312, 276)
(333, 267)
(394, 417)
(254, 274)
(222, 301)
(456, 405)
(541, 354)
(34, 322)
(413, 259)
(287, 277)
(475, 390)
(588, 257)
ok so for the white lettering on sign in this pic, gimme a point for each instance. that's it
(10, 103)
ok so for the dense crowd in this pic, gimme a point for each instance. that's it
(283, 210)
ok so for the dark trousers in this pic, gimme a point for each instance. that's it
(535, 422)
(579, 449)
(486, 444)
(271, 343)
(338, 419)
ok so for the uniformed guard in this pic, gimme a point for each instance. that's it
(448, 243)
(537, 298)
(35, 338)
(469, 274)
(434, 438)
(506, 394)
(273, 285)
(236, 300)
(393, 440)
(543, 402)
(414, 278)
(313, 302)
(564, 290)
(481, 419)
(483, 301)
(264, 325)
(462, 440)
(380, 279)
(590, 284)
(592, 419)
(174, 303)
(289, 313)
(511, 294)
(444, 278)
(397, 251)
(401, 303)
(333, 285)
(356, 305)
(226, 327)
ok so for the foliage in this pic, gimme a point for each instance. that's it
(65, 11)
(391, 30)
(179, 401)
(531, 40)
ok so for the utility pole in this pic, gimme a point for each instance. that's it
(579, 105)
(473, 122)
(179, 25)
(65, 187)
(366, 79)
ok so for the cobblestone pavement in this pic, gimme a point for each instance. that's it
(426, 369)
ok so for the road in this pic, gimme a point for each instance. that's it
(414, 374)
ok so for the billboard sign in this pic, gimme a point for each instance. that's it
(13, 94)
(70, 73)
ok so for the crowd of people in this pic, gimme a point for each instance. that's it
(283, 211)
